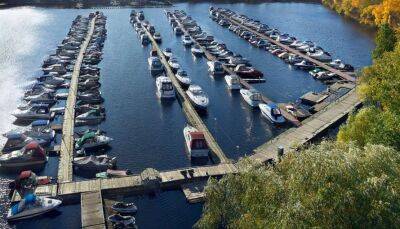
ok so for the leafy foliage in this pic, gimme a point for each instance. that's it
(385, 41)
(329, 185)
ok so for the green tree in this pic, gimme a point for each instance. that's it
(385, 41)
(329, 185)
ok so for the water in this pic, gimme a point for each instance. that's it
(148, 133)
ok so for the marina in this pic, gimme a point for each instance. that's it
(174, 170)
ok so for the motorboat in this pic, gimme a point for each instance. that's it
(315, 71)
(94, 163)
(272, 112)
(124, 208)
(33, 112)
(285, 39)
(197, 51)
(174, 64)
(29, 156)
(157, 37)
(320, 55)
(27, 182)
(233, 82)
(144, 39)
(40, 130)
(155, 65)
(91, 117)
(304, 65)
(252, 97)
(215, 67)
(92, 140)
(198, 97)
(167, 53)
(183, 78)
(110, 173)
(32, 206)
(178, 31)
(297, 111)
(195, 143)
(247, 72)
(122, 221)
(293, 59)
(45, 97)
(165, 89)
(237, 59)
(17, 140)
(37, 89)
(338, 64)
(187, 41)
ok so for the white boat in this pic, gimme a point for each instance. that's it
(215, 67)
(195, 143)
(165, 90)
(233, 82)
(321, 56)
(174, 64)
(252, 96)
(155, 65)
(167, 53)
(32, 206)
(196, 50)
(272, 112)
(197, 96)
(187, 41)
(183, 78)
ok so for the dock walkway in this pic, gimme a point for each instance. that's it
(190, 112)
(92, 213)
(65, 172)
(341, 74)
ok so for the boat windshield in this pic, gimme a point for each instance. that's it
(256, 97)
(167, 86)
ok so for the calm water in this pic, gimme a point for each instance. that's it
(148, 133)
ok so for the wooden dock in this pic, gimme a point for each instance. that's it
(189, 111)
(65, 172)
(92, 213)
(343, 75)
(194, 192)
(312, 127)
(243, 82)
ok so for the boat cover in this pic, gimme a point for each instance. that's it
(85, 137)
(40, 122)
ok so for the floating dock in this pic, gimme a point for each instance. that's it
(194, 192)
(92, 213)
(65, 172)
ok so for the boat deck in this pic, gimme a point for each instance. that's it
(65, 172)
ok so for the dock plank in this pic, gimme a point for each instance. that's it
(92, 213)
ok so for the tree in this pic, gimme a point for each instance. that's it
(329, 185)
(385, 41)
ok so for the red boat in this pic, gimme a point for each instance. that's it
(247, 72)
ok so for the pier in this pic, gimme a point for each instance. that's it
(92, 212)
(343, 75)
(65, 171)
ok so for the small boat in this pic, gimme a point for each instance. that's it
(183, 78)
(304, 65)
(157, 37)
(321, 56)
(198, 97)
(233, 82)
(197, 51)
(92, 140)
(187, 41)
(178, 31)
(165, 89)
(247, 72)
(33, 112)
(174, 64)
(94, 163)
(155, 65)
(30, 155)
(91, 115)
(145, 40)
(297, 111)
(122, 221)
(272, 112)
(252, 97)
(195, 143)
(215, 67)
(45, 97)
(32, 206)
(124, 208)
(17, 140)
(167, 53)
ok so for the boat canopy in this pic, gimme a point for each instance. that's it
(85, 137)
(196, 135)
(40, 122)
(37, 151)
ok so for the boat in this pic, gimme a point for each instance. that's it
(252, 97)
(94, 163)
(124, 208)
(114, 173)
(17, 140)
(30, 155)
(167, 53)
(27, 182)
(157, 37)
(145, 40)
(247, 72)
(320, 55)
(233, 82)
(272, 112)
(304, 65)
(197, 51)
(91, 115)
(187, 41)
(297, 111)
(215, 67)
(155, 65)
(45, 97)
(33, 112)
(174, 64)
(122, 221)
(32, 206)
(183, 78)
(195, 143)
(165, 89)
(198, 97)
(92, 140)
(178, 31)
